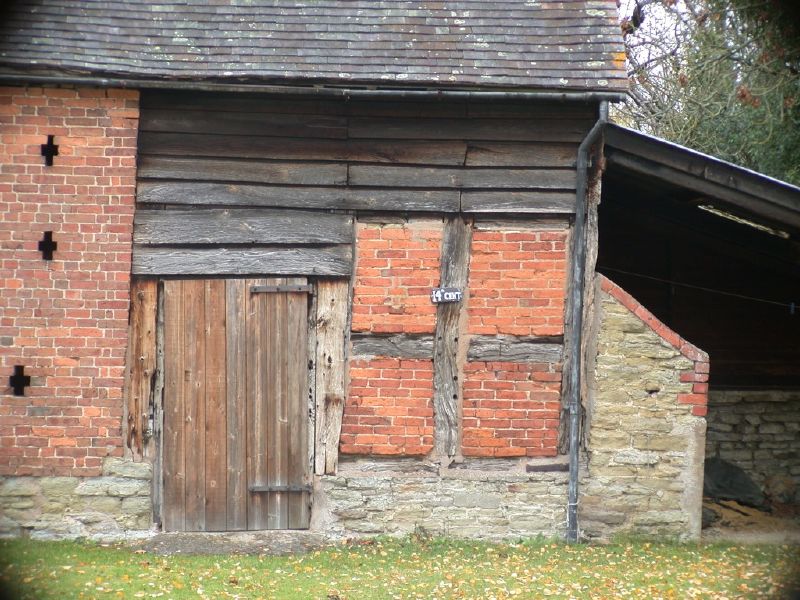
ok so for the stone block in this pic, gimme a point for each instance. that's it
(20, 486)
(635, 458)
(118, 467)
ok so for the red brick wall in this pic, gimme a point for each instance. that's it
(517, 286)
(511, 409)
(389, 408)
(517, 282)
(65, 320)
(396, 267)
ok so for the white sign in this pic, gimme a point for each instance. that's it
(442, 295)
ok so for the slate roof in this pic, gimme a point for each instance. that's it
(563, 45)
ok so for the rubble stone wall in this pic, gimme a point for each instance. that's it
(758, 430)
(646, 431)
(494, 499)
(112, 506)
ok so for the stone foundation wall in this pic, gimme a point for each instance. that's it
(645, 426)
(758, 430)
(115, 505)
(491, 499)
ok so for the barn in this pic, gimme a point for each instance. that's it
(331, 266)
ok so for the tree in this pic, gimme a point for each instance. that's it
(719, 76)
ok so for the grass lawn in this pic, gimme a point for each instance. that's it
(406, 568)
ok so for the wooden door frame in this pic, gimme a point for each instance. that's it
(328, 341)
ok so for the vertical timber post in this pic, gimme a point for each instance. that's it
(446, 364)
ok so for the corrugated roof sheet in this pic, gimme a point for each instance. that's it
(534, 44)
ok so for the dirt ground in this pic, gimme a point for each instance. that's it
(746, 525)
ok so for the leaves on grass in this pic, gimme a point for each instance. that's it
(406, 569)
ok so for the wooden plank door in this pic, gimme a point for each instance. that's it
(235, 404)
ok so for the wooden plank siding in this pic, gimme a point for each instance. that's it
(260, 166)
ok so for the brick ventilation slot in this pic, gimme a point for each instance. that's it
(19, 381)
(49, 150)
(47, 246)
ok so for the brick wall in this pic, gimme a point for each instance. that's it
(511, 409)
(396, 267)
(65, 320)
(389, 408)
(517, 285)
(517, 282)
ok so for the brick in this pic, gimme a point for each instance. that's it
(73, 343)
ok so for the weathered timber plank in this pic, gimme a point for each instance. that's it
(216, 430)
(507, 110)
(470, 129)
(174, 457)
(447, 374)
(434, 177)
(445, 152)
(332, 307)
(247, 103)
(141, 364)
(236, 400)
(506, 348)
(521, 154)
(249, 124)
(396, 346)
(240, 226)
(329, 261)
(532, 202)
(154, 450)
(297, 197)
(311, 392)
(296, 377)
(276, 372)
(245, 171)
(257, 382)
(194, 318)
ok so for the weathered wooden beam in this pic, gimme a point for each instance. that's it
(521, 154)
(506, 348)
(222, 194)
(240, 226)
(393, 345)
(472, 178)
(443, 152)
(540, 130)
(333, 301)
(141, 365)
(245, 171)
(528, 202)
(447, 375)
(243, 123)
(330, 261)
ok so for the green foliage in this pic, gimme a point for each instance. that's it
(414, 567)
(722, 77)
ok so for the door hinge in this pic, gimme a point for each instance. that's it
(280, 488)
(282, 289)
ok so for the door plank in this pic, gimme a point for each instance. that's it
(216, 477)
(297, 459)
(276, 399)
(173, 456)
(195, 391)
(236, 399)
(256, 400)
